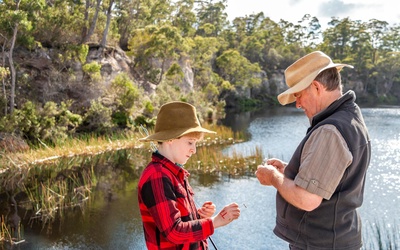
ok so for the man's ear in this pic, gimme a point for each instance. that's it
(318, 86)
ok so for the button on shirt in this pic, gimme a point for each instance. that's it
(169, 215)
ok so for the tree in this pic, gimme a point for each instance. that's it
(87, 33)
(389, 67)
(238, 70)
(212, 18)
(103, 42)
(184, 18)
(339, 37)
(132, 15)
(155, 49)
(16, 18)
(202, 56)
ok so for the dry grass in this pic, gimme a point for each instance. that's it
(69, 148)
(98, 145)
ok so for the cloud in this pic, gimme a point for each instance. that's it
(336, 8)
(324, 10)
(294, 2)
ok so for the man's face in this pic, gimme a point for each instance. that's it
(308, 99)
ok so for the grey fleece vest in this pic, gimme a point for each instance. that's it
(335, 224)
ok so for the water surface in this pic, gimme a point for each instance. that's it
(114, 222)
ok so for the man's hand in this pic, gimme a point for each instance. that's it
(265, 174)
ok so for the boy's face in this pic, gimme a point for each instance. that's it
(183, 148)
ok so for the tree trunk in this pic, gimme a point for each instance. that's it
(105, 32)
(4, 92)
(11, 62)
(93, 22)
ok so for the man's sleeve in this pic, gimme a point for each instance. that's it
(324, 159)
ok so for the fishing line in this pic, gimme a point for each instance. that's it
(209, 237)
(212, 242)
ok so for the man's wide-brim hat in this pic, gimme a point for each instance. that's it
(302, 72)
(175, 119)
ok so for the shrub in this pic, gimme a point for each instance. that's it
(48, 124)
(97, 118)
(126, 94)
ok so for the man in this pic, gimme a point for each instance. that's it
(320, 189)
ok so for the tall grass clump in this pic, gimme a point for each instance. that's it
(49, 197)
(212, 160)
(9, 234)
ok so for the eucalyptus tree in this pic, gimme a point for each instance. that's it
(238, 70)
(260, 41)
(90, 21)
(155, 49)
(109, 10)
(132, 15)
(391, 47)
(212, 17)
(184, 17)
(98, 15)
(306, 32)
(241, 28)
(389, 75)
(202, 55)
(386, 61)
(312, 30)
(391, 41)
(337, 39)
(60, 22)
(16, 23)
(364, 45)
(4, 73)
(377, 30)
(235, 34)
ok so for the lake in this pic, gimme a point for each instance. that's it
(116, 224)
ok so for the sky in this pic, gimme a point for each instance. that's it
(294, 10)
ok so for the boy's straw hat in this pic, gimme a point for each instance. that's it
(174, 120)
(301, 73)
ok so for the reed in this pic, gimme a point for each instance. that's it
(212, 160)
(93, 145)
(84, 145)
(12, 236)
(69, 188)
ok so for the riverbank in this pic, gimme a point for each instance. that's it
(94, 145)
(69, 148)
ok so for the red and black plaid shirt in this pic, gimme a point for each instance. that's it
(168, 211)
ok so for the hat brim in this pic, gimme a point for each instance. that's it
(173, 134)
(287, 96)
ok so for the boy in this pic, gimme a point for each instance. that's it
(169, 214)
